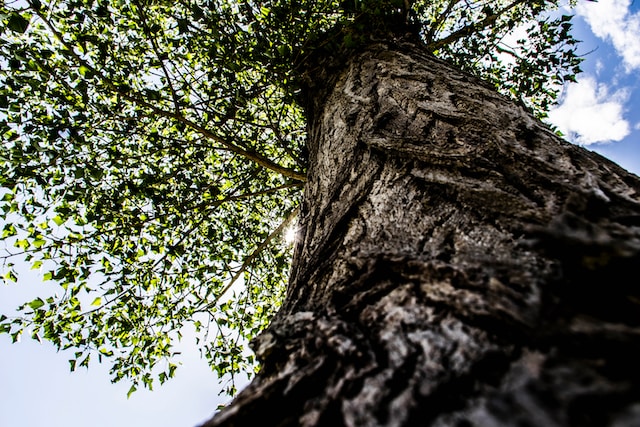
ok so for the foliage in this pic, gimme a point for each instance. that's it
(153, 153)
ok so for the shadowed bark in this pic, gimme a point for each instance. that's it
(458, 264)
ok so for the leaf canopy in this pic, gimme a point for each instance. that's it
(154, 152)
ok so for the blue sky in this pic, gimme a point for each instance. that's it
(600, 112)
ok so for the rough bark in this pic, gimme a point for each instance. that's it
(458, 264)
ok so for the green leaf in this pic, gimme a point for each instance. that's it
(58, 220)
(9, 230)
(132, 390)
(10, 276)
(22, 244)
(18, 23)
(36, 303)
(97, 301)
(85, 71)
(85, 361)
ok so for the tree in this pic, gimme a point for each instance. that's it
(161, 148)
(468, 267)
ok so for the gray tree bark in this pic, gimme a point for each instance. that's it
(458, 264)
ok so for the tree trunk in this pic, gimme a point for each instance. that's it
(457, 265)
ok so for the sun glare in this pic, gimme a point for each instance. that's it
(290, 235)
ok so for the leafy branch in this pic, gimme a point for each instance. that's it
(118, 89)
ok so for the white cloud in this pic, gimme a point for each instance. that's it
(612, 20)
(589, 113)
(599, 66)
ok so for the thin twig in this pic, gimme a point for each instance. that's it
(249, 260)
(473, 27)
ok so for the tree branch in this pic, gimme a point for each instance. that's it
(156, 50)
(248, 260)
(473, 27)
(439, 21)
(247, 154)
